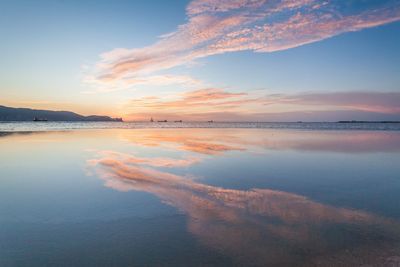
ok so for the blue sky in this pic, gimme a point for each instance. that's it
(52, 56)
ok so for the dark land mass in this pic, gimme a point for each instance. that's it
(27, 114)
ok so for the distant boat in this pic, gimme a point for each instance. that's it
(179, 121)
(38, 119)
(163, 121)
(211, 121)
(151, 120)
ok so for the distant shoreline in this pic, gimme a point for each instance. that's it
(22, 126)
(9, 114)
(120, 120)
(352, 121)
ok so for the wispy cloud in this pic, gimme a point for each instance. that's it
(112, 85)
(215, 27)
(215, 103)
(198, 98)
(383, 102)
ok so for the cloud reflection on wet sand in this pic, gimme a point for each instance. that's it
(154, 162)
(215, 141)
(192, 140)
(219, 141)
(259, 226)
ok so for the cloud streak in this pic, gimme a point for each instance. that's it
(112, 85)
(216, 27)
(215, 103)
(381, 102)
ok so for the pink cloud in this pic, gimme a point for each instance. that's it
(380, 102)
(219, 104)
(215, 27)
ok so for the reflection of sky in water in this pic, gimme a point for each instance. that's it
(199, 196)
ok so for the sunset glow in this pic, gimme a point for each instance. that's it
(199, 133)
(202, 60)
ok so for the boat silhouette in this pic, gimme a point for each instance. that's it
(39, 119)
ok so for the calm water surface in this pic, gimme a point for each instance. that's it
(54, 126)
(200, 197)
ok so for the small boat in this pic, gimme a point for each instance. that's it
(151, 120)
(178, 121)
(38, 119)
(211, 121)
(163, 121)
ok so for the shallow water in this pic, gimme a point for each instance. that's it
(214, 197)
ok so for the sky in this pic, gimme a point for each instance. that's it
(226, 60)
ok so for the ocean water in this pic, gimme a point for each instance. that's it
(130, 194)
(49, 126)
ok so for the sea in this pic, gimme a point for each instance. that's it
(49, 126)
(199, 194)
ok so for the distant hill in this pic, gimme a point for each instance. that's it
(27, 114)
